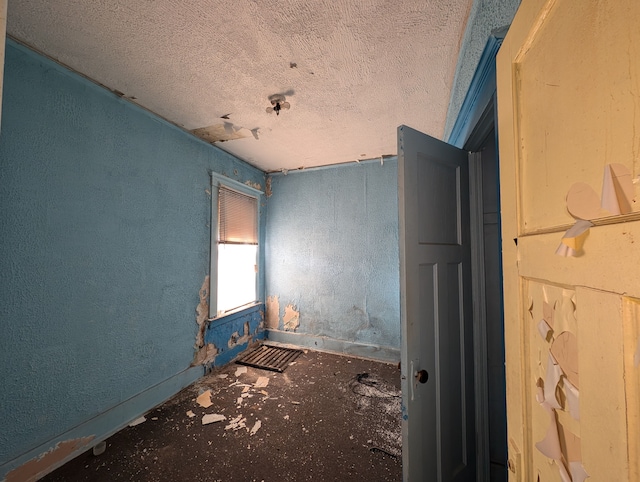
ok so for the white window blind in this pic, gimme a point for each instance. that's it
(237, 217)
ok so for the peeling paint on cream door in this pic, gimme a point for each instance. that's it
(568, 102)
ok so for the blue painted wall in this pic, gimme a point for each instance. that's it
(231, 334)
(485, 16)
(332, 251)
(104, 245)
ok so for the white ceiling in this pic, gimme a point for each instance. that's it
(352, 70)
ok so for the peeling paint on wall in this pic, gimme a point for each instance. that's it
(291, 318)
(273, 312)
(202, 312)
(268, 191)
(205, 355)
(41, 465)
(237, 340)
(255, 185)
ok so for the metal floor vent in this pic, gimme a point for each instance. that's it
(272, 358)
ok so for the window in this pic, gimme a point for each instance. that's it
(234, 246)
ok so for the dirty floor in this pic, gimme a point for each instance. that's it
(326, 418)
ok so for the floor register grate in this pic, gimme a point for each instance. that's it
(272, 358)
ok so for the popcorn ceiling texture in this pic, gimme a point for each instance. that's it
(361, 68)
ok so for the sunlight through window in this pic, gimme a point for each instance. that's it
(236, 275)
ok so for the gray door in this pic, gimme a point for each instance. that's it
(438, 426)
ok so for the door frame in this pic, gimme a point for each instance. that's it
(476, 118)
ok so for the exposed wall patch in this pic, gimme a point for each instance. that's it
(255, 185)
(39, 466)
(268, 191)
(206, 355)
(273, 309)
(291, 318)
(237, 340)
(202, 312)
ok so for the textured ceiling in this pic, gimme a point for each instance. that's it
(352, 70)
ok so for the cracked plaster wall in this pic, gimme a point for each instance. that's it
(104, 245)
(332, 246)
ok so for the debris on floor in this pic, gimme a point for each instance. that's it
(137, 421)
(212, 418)
(261, 382)
(237, 423)
(99, 448)
(204, 399)
(328, 417)
(256, 427)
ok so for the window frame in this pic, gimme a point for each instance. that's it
(217, 181)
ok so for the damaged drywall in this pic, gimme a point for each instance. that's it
(203, 352)
(237, 340)
(205, 355)
(224, 333)
(202, 311)
(39, 466)
(267, 190)
(273, 312)
(254, 185)
(291, 318)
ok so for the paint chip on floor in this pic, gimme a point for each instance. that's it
(240, 371)
(190, 414)
(237, 423)
(261, 382)
(256, 427)
(138, 421)
(212, 418)
(204, 400)
(223, 375)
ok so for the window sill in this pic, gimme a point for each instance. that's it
(235, 311)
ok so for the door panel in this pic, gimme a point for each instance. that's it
(438, 415)
(568, 76)
(439, 200)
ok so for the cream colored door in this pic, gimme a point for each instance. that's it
(569, 109)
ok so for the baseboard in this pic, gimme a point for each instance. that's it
(333, 345)
(48, 456)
